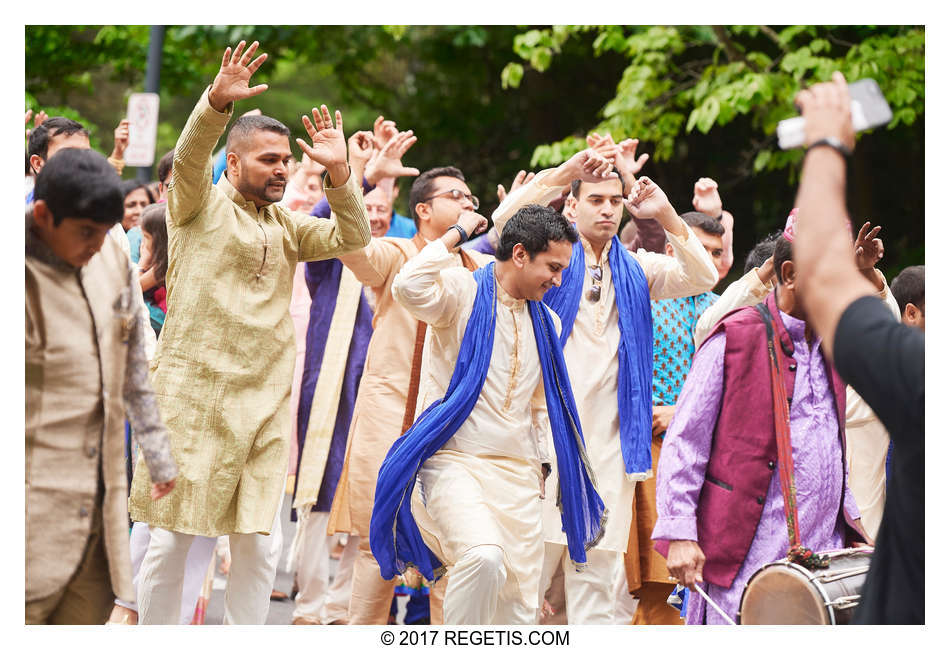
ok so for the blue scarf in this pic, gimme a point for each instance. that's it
(635, 381)
(394, 536)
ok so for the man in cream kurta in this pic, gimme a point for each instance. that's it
(384, 387)
(476, 501)
(592, 361)
(224, 364)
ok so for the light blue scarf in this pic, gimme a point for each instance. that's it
(394, 536)
(635, 380)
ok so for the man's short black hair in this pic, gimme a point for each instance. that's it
(534, 227)
(704, 222)
(422, 186)
(908, 287)
(576, 185)
(165, 167)
(38, 144)
(782, 254)
(245, 126)
(761, 252)
(80, 184)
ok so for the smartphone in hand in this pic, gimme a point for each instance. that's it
(869, 110)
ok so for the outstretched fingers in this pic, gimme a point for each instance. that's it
(309, 126)
(249, 54)
(236, 56)
(256, 63)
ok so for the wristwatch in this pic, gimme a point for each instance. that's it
(461, 231)
(832, 142)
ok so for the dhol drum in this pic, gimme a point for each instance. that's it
(785, 593)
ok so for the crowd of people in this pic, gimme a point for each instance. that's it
(537, 418)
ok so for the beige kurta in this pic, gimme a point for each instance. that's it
(867, 439)
(224, 364)
(592, 362)
(85, 373)
(483, 486)
(384, 386)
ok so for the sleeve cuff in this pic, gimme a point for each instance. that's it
(210, 111)
(345, 197)
(672, 528)
(756, 286)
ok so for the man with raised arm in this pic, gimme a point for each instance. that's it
(882, 359)
(607, 334)
(223, 369)
(461, 488)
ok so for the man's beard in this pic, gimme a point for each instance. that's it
(269, 192)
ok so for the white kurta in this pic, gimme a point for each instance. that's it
(483, 486)
(592, 362)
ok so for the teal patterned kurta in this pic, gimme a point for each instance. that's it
(222, 371)
(674, 322)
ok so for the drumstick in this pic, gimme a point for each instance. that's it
(715, 606)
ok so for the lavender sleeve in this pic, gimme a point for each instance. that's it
(322, 208)
(686, 448)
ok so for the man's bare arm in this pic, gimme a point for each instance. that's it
(828, 277)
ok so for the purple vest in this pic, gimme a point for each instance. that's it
(744, 451)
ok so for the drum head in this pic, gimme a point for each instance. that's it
(781, 594)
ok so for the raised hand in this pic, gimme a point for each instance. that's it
(360, 147)
(826, 108)
(868, 248)
(521, 178)
(472, 222)
(329, 145)
(121, 140)
(383, 131)
(38, 119)
(231, 82)
(388, 164)
(706, 197)
(626, 159)
(603, 144)
(590, 167)
(647, 200)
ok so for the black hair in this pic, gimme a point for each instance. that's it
(534, 226)
(704, 222)
(247, 125)
(576, 185)
(131, 185)
(762, 251)
(908, 287)
(80, 184)
(38, 144)
(782, 254)
(422, 186)
(165, 167)
(152, 221)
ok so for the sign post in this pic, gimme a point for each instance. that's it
(143, 129)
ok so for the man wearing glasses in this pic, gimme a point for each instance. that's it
(386, 400)
(604, 306)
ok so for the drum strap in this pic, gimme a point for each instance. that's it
(786, 464)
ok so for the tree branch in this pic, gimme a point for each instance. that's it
(768, 31)
(732, 52)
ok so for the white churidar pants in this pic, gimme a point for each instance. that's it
(196, 567)
(317, 600)
(590, 595)
(254, 559)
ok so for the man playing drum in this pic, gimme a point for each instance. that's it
(739, 485)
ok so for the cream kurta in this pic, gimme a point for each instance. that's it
(224, 364)
(483, 486)
(593, 365)
(867, 439)
(384, 386)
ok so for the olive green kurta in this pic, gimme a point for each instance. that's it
(223, 368)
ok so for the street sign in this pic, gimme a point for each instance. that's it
(143, 127)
